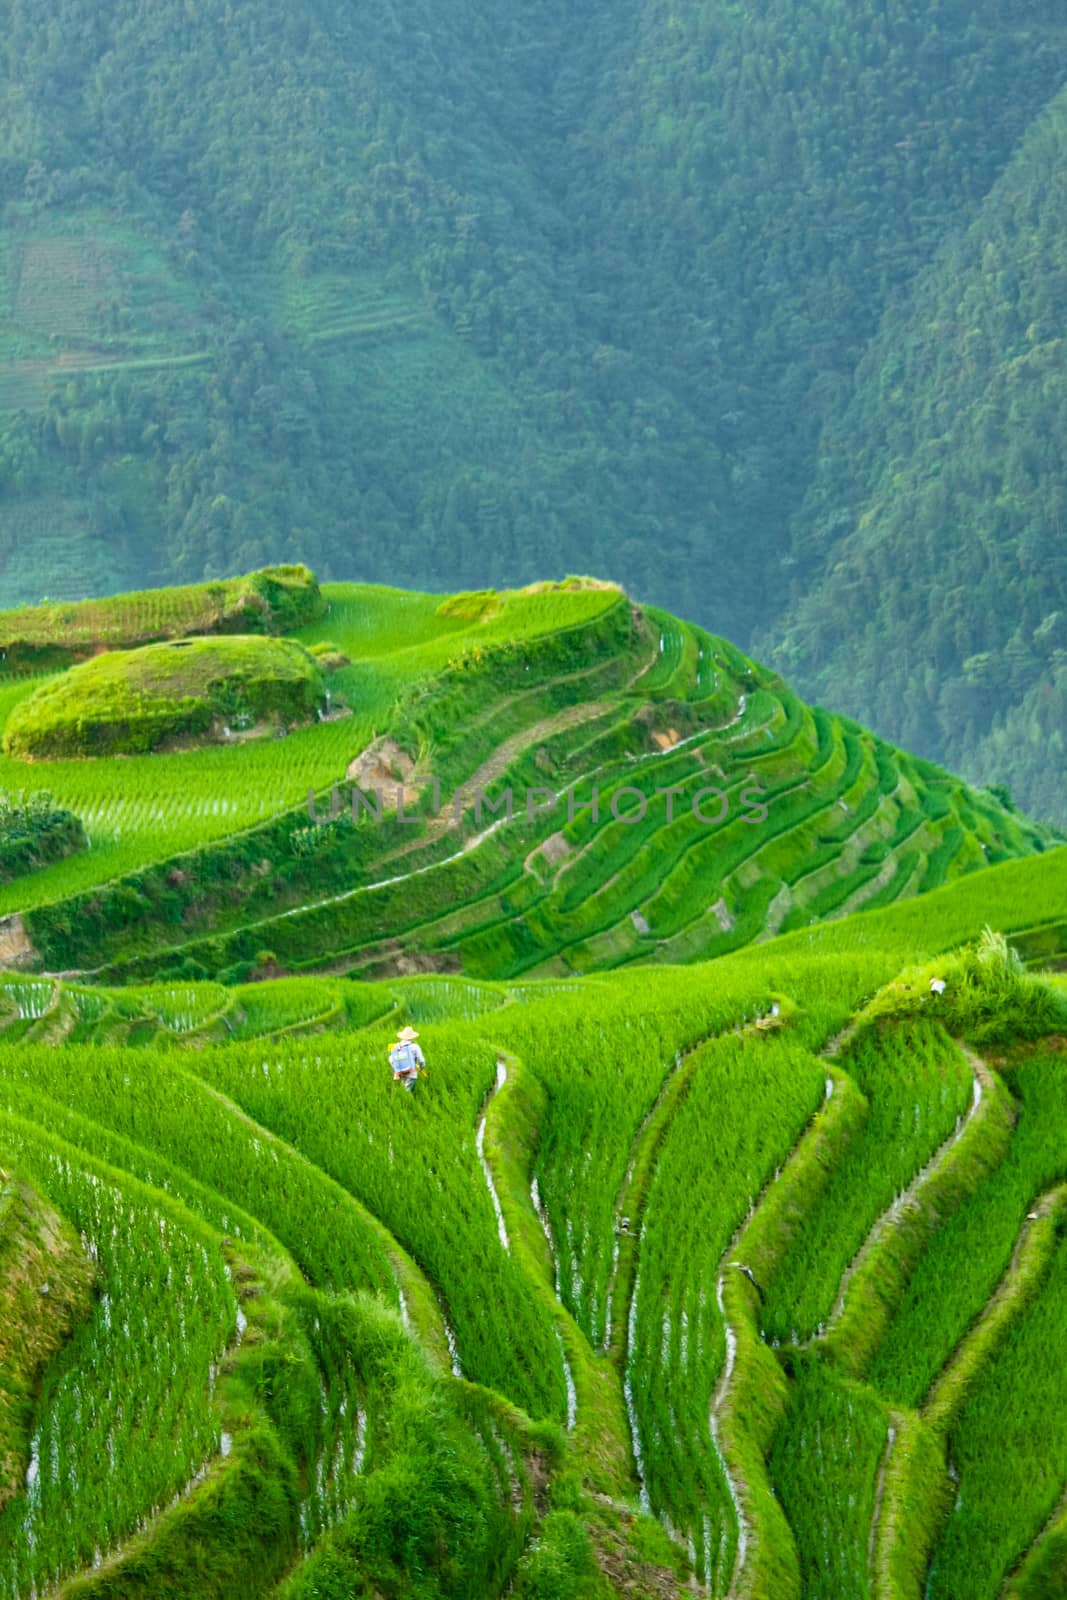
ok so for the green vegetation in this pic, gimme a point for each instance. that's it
(725, 809)
(729, 1276)
(276, 600)
(159, 1288)
(36, 1247)
(825, 1465)
(35, 831)
(747, 1106)
(327, 1099)
(562, 1224)
(155, 807)
(127, 702)
(938, 488)
(978, 1240)
(458, 351)
(1009, 1449)
(917, 1087)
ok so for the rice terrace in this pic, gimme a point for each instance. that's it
(720, 1245)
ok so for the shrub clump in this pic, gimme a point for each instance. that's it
(35, 832)
(330, 656)
(982, 993)
(559, 1565)
(203, 689)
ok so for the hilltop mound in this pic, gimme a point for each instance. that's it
(203, 690)
(274, 600)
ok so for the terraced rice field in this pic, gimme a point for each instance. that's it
(756, 1263)
(741, 1278)
(61, 285)
(87, 295)
(151, 808)
(330, 307)
(670, 799)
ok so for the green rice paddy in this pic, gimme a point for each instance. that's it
(741, 1277)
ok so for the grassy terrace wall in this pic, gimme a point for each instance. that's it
(50, 637)
(820, 819)
(35, 1243)
(287, 860)
(435, 715)
(310, 895)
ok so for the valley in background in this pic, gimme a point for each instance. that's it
(759, 312)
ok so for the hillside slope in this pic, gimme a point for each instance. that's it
(569, 289)
(546, 781)
(944, 477)
(725, 1277)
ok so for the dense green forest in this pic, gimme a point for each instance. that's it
(945, 471)
(442, 295)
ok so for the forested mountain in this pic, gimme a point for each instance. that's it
(946, 472)
(445, 295)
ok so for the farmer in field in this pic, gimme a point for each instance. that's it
(406, 1059)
